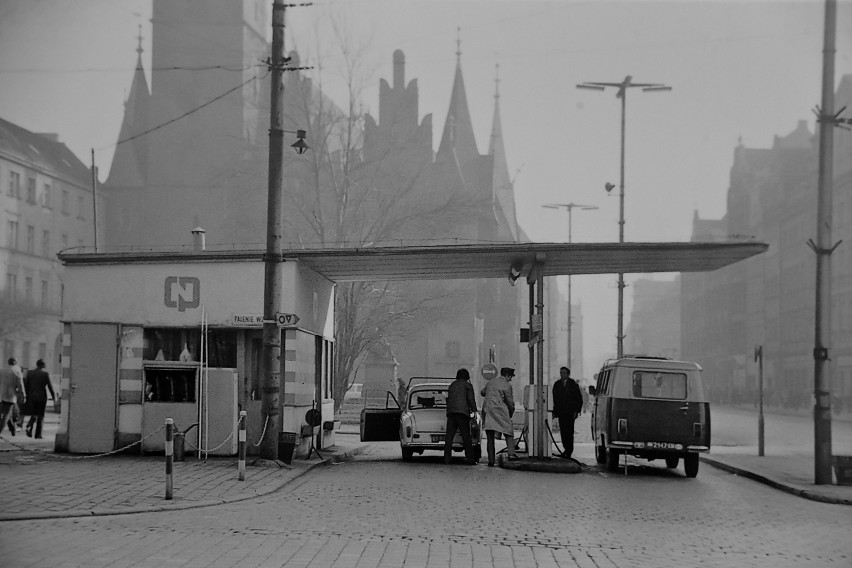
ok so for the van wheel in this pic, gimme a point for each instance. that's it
(407, 454)
(671, 462)
(600, 454)
(612, 459)
(690, 465)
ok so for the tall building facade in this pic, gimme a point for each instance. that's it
(45, 206)
(654, 327)
(769, 300)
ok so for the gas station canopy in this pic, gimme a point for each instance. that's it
(441, 262)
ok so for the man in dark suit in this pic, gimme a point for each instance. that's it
(461, 403)
(567, 404)
(36, 383)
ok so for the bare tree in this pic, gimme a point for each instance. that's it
(18, 317)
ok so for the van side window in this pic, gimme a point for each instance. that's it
(605, 381)
(657, 384)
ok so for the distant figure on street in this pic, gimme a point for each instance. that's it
(36, 385)
(498, 406)
(11, 392)
(461, 404)
(567, 404)
(401, 392)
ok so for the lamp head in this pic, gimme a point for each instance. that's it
(609, 187)
(300, 145)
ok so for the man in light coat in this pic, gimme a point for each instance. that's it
(11, 383)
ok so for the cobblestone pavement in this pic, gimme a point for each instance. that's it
(377, 511)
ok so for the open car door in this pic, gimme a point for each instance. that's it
(380, 423)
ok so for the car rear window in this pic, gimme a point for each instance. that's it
(428, 399)
(658, 384)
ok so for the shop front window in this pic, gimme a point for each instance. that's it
(184, 345)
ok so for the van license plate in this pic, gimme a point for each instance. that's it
(662, 445)
(438, 437)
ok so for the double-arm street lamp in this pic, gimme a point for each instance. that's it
(570, 208)
(622, 94)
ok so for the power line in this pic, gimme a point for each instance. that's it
(184, 115)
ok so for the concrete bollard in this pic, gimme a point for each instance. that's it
(170, 449)
(241, 445)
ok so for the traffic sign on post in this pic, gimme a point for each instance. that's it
(489, 371)
(286, 320)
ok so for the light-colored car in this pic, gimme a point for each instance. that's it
(419, 421)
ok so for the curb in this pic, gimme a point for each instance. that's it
(98, 512)
(776, 484)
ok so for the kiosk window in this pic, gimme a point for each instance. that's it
(184, 344)
(170, 385)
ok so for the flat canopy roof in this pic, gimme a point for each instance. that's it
(441, 262)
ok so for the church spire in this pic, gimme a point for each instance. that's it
(504, 192)
(458, 134)
(130, 158)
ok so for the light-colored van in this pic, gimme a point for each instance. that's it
(651, 408)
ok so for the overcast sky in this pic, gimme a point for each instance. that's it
(738, 70)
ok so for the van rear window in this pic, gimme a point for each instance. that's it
(656, 384)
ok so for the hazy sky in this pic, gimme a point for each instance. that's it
(739, 71)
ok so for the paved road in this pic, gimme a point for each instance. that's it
(377, 511)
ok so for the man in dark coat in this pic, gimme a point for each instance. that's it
(567, 404)
(461, 403)
(36, 383)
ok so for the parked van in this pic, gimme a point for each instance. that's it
(651, 408)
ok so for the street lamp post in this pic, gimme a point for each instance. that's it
(622, 94)
(570, 208)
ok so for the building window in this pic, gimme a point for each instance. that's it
(184, 344)
(453, 349)
(46, 197)
(8, 350)
(30, 239)
(28, 289)
(12, 235)
(81, 207)
(64, 242)
(45, 294)
(11, 286)
(65, 202)
(31, 190)
(25, 355)
(45, 243)
(15, 185)
(42, 351)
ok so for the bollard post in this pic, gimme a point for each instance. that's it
(241, 445)
(170, 448)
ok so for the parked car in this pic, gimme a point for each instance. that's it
(421, 422)
(651, 408)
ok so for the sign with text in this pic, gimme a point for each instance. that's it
(247, 320)
(286, 320)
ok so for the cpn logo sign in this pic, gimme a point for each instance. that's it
(182, 292)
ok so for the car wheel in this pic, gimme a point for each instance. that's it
(600, 454)
(671, 462)
(407, 454)
(612, 459)
(690, 465)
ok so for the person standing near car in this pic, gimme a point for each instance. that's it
(11, 392)
(461, 403)
(36, 383)
(567, 405)
(498, 406)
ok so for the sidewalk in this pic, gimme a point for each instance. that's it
(48, 485)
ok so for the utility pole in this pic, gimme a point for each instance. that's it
(823, 248)
(95, 198)
(570, 208)
(271, 355)
(622, 94)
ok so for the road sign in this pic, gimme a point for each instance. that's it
(286, 320)
(489, 371)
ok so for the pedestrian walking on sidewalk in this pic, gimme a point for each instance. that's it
(11, 392)
(498, 406)
(36, 385)
(567, 405)
(461, 405)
